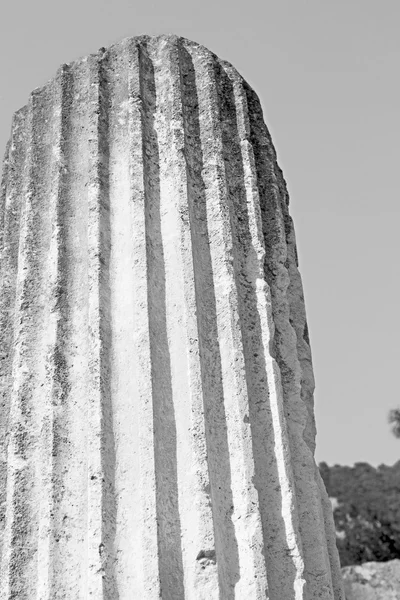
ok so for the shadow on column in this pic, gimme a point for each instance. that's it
(165, 442)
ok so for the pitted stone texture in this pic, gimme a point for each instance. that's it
(157, 427)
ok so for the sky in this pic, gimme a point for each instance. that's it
(327, 74)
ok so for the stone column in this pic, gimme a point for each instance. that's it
(157, 430)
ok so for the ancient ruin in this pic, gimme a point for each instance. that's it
(157, 429)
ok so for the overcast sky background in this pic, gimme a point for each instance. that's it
(327, 73)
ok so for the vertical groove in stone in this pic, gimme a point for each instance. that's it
(129, 571)
(53, 390)
(246, 515)
(12, 199)
(121, 315)
(273, 473)
(101, 446)
(165, 434)
(141, 181)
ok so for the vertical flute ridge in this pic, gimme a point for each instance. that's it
(101, 447)
(53, 390)
(12, 584)
(141, 178)
(165, 434)
(122, 315)
(13, 200)
(157, 428)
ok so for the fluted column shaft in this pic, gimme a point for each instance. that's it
(157, 430)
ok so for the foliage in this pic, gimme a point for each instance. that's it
(367, 511)
(394, 419)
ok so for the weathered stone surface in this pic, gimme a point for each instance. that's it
(372, 581)
(157, 428)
